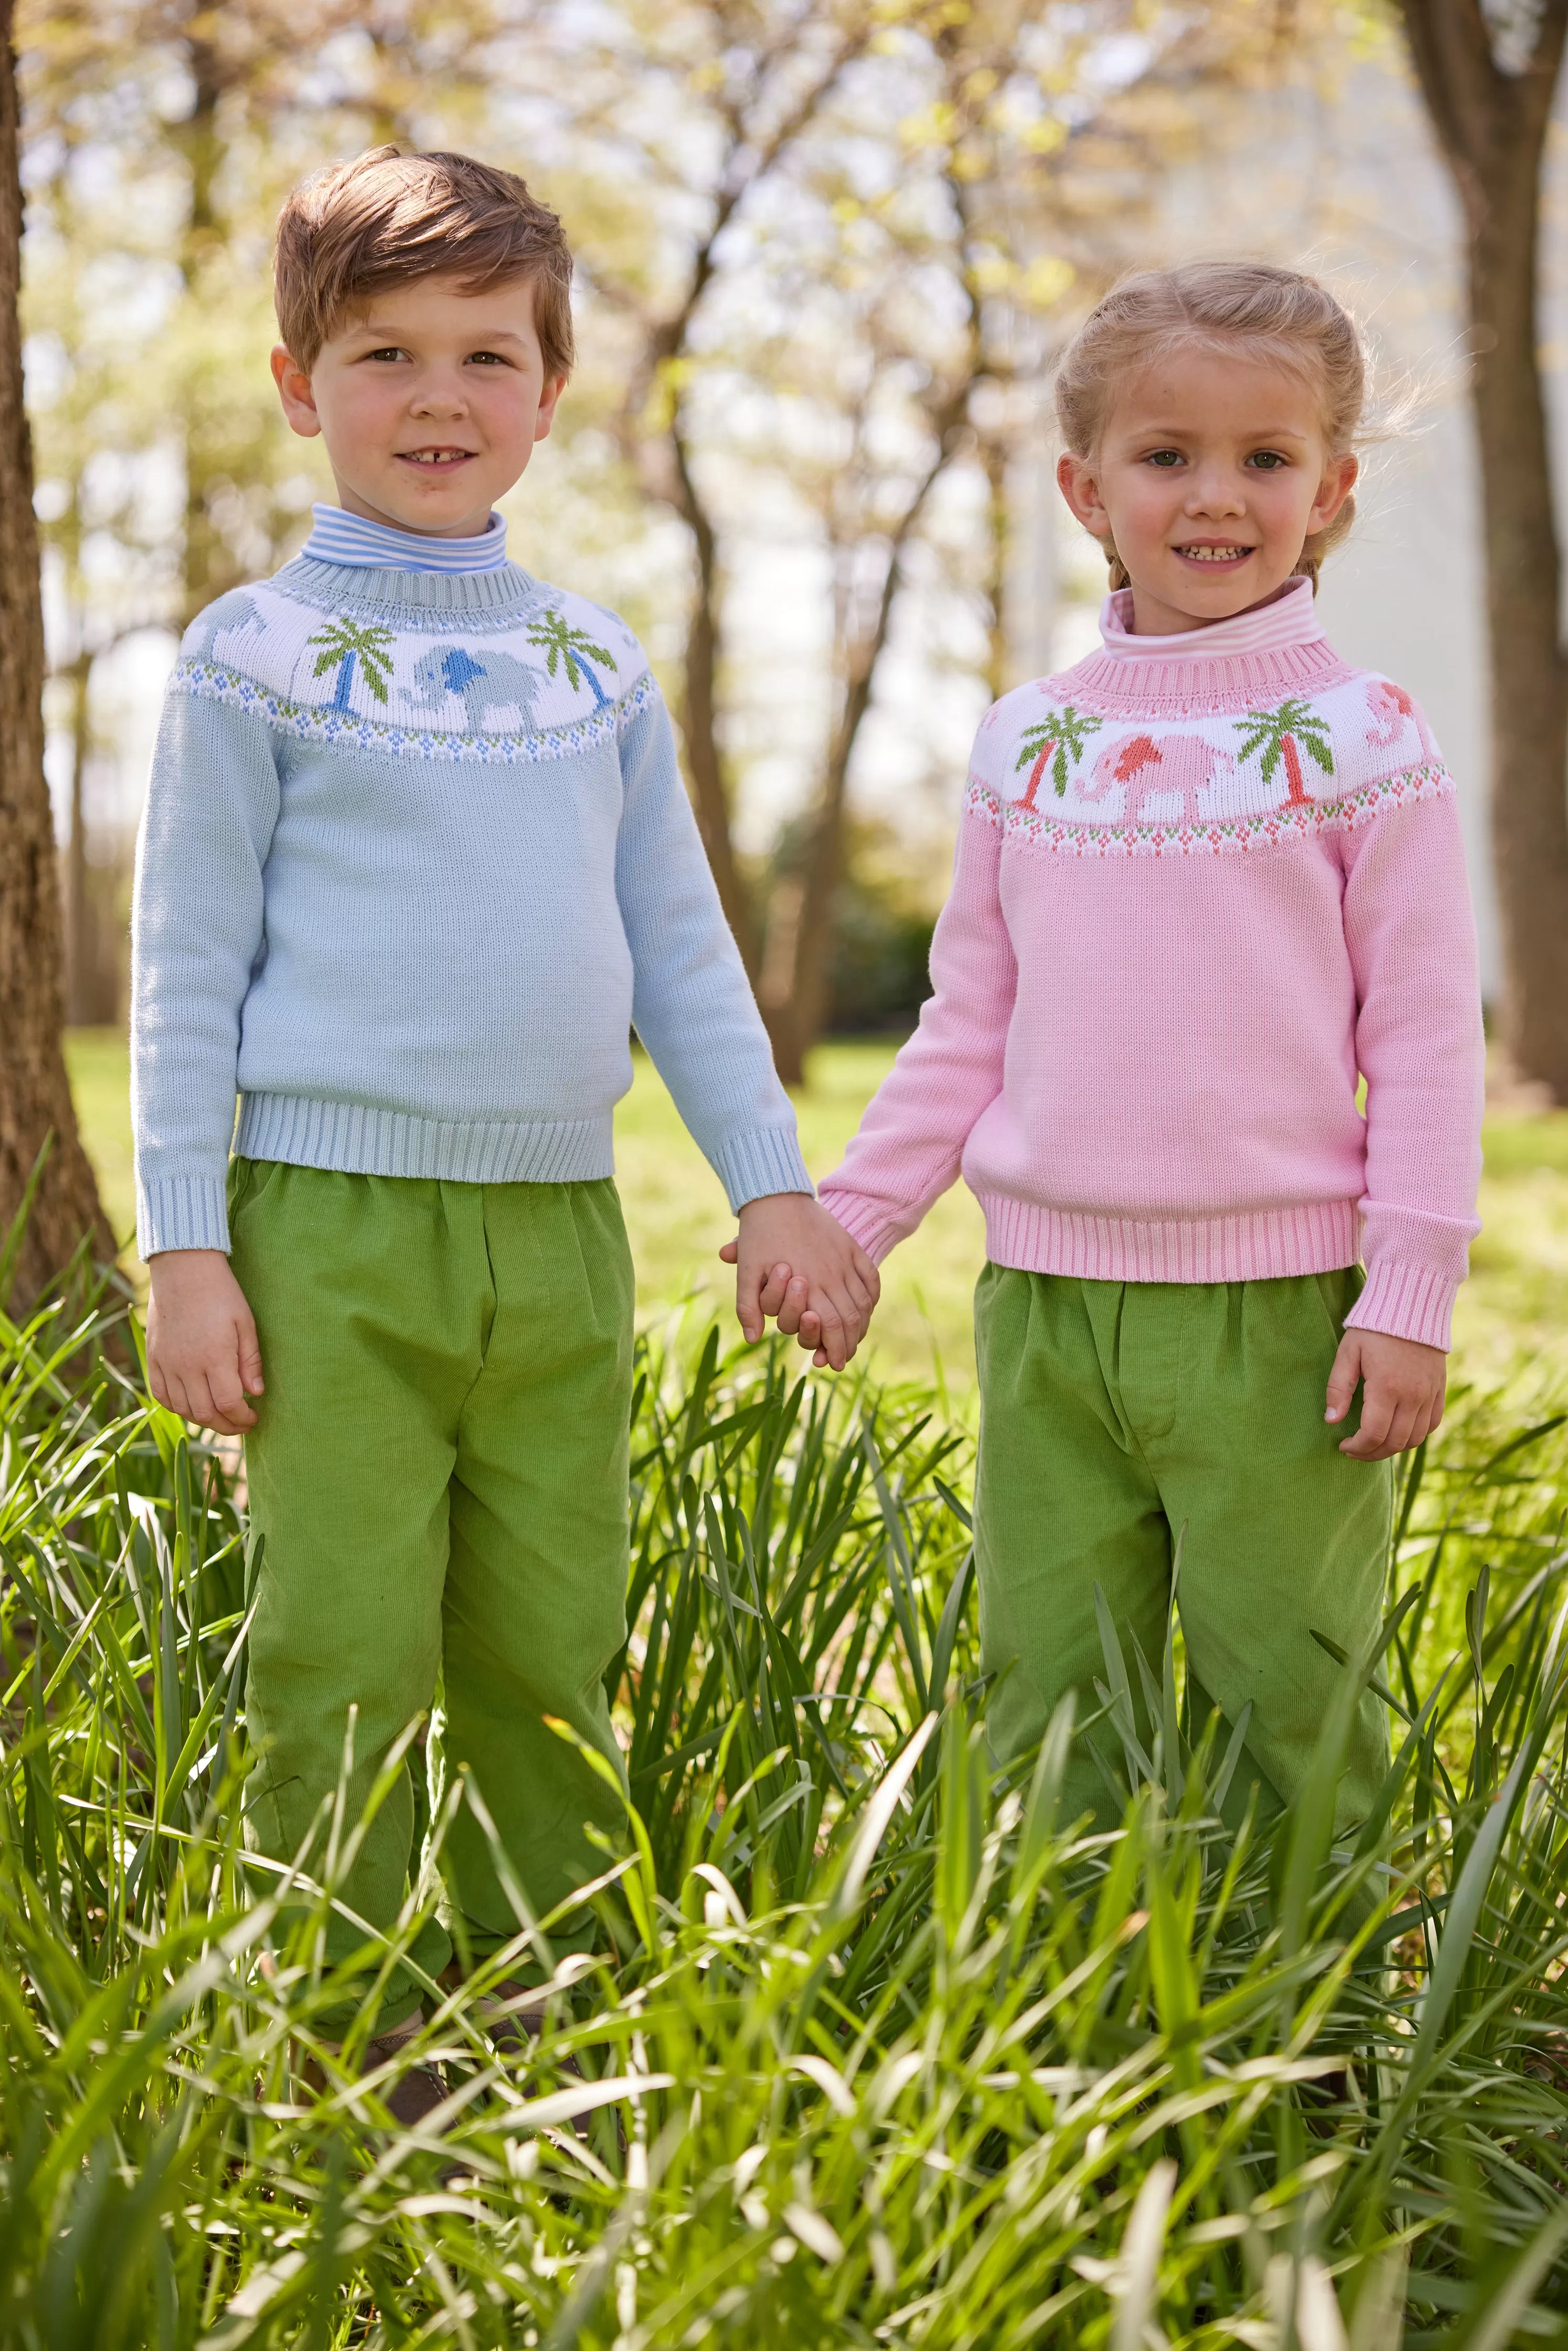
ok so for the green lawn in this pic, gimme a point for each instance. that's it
(1512, 1319)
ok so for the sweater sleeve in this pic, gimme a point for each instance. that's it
(910, 1145)
(196, 940)
(692, 1003)
(1411, 935)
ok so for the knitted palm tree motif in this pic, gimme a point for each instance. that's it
(344, 642)
(1277, 733)
(1058, 738)
(565, 645)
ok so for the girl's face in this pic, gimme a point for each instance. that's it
(1212, 472)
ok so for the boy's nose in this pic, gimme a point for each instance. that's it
(438, 396)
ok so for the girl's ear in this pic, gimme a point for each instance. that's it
(1339, 479)
(1075, 478)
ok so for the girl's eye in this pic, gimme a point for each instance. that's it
(1165, 457)
(1268, 461)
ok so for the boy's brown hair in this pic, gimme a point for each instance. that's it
(355, 230)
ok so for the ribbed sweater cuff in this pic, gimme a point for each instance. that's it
(868, 1221)
(182, 1212)
(767, 1160)
(1405, 1301)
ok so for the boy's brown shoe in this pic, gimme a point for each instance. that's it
(413, 2095)
(514, 2031)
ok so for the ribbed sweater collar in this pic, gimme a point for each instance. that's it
(338, 536)
(415, 593)
(1270, 648)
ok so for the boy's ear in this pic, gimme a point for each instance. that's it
(294, 391)
(549, 400)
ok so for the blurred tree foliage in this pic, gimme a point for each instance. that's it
(826, 249)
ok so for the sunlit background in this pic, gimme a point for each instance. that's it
(826, 253)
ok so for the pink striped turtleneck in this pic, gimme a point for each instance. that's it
(1203, 883)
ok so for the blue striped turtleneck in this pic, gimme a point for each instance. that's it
(338, 536)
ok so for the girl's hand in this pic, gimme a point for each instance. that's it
(1403, 1387)
(203, 1356)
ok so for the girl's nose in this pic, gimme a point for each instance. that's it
(1216, 492)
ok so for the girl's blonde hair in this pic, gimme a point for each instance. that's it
(1279, 315)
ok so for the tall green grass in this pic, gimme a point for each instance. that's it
(880, 2048)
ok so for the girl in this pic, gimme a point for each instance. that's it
(1204, 880)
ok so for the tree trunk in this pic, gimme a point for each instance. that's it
(698, 713)
(82, 944)
(795, 1013)
(35, 1094)
(1491, 127)
(208, 568)
(1529, 677)
(996, 454)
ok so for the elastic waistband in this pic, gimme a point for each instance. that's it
(1260, 1245)
(360, 1141)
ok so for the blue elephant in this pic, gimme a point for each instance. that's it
(495, 680)
(234, 611)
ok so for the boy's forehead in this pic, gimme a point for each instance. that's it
(431, 303)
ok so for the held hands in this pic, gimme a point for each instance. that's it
(203, 1359)
(794, 1260)
(1403, 1387)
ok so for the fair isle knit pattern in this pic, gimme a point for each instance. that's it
(338, 536)
(1203, 883)
(416, 860)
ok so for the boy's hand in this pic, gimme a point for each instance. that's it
(794, 1260)
(203, 1359)
(1402, 1399)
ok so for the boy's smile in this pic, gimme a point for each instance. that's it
(430, 403)
(1211, 473)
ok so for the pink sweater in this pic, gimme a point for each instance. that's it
(1202, 882)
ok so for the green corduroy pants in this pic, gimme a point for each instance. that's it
(1115, 1414)
(438, 1488)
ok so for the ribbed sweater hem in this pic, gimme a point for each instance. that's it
(351, 1138)
(358, 1140)
(1256, 1245)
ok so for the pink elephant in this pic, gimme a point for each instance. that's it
(1392, 708)
(1174, 763)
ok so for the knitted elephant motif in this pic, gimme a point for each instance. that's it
(498, 680)
(1391, 709)
(1144, 765)
(234, 611)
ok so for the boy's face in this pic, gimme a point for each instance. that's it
(430, 403)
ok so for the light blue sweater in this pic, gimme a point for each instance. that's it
(416, 858)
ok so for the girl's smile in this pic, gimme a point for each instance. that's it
(1212, 472)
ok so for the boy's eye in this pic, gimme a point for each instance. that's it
(486, 359)
(390, 351)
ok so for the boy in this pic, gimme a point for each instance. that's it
(416, 859)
